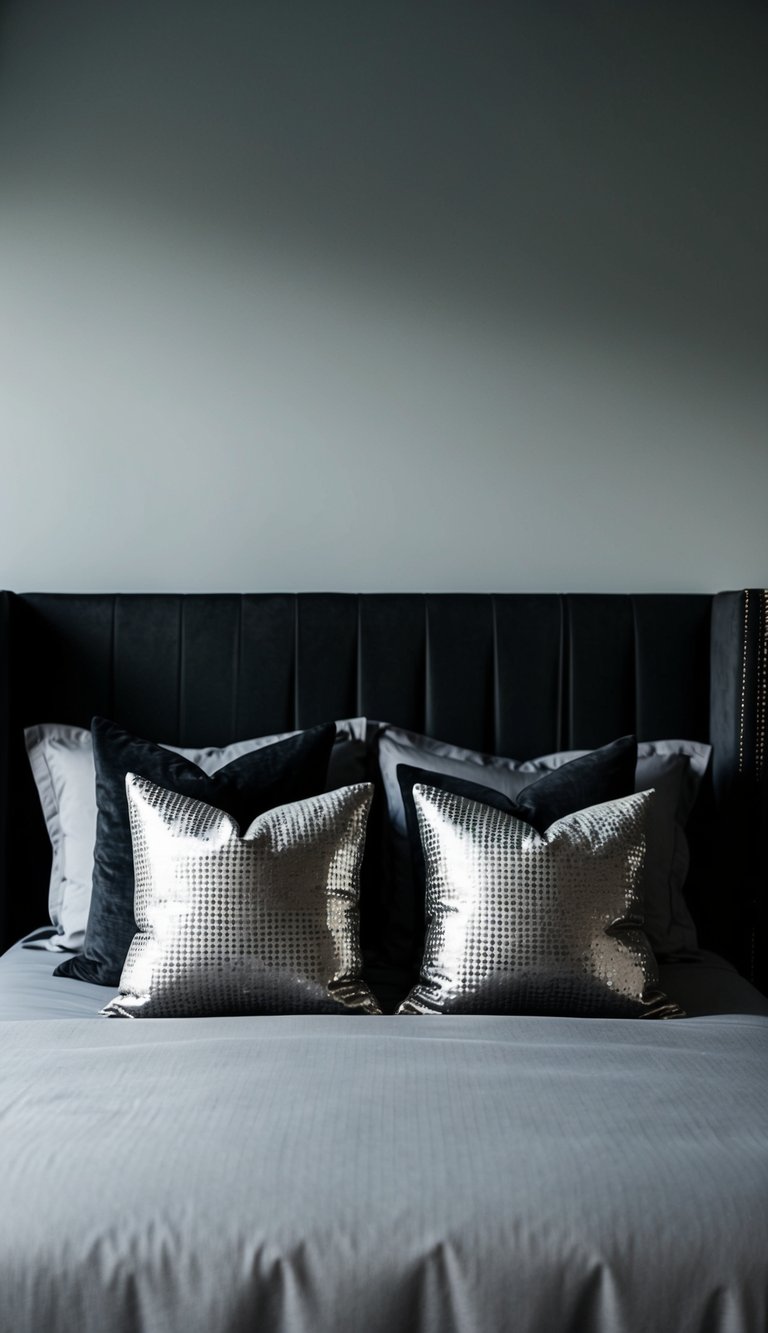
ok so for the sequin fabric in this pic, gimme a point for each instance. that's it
(263, 923)
(530, 924)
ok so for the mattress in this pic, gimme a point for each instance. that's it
(318, 1174)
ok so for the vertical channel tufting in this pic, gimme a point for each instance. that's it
(495, 676)
(727, 692)
(566, 737)
(460, 648)
(601, 668)
(638, 725)
(70, 679)
(639, 675)
(564, 668)
(180, 664)
(266, 685)
(296, 663)
(569, 684)
(527, 646)
(391, 649)
(326, 657)
(566, 740)
(115, 662)
(671, 664)
(144, 655)
(113, 657)
(237, 649)
(428, 701)
(359, 660)
(208, 667)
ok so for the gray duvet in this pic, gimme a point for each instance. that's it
(383, 1175)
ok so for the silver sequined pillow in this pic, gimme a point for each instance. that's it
(263, 923)
(530, 924)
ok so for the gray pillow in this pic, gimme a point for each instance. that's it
(674, 768)
(263, 923)
(61, 759)
(520, 922)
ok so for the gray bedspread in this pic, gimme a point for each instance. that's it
(706, 984)
(383, 1175)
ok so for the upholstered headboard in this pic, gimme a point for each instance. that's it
(518, 675)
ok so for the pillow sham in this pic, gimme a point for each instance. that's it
(263, 923)
(61, 759)
(673, 768)
(247, 786)
(602, 775)
(528, 923)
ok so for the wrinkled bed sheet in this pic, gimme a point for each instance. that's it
(384, 1175)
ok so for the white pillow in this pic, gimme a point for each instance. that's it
(61, 758)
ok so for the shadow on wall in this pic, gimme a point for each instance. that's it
(456, 296)
(573, 161)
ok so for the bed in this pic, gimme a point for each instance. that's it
(336, 1171)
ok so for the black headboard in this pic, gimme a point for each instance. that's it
(518, 675)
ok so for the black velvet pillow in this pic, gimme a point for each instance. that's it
(602, 775)
(290, 770)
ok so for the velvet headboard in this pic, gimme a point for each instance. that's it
(518, 675)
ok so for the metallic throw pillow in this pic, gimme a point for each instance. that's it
(263, 923)
(524, 923)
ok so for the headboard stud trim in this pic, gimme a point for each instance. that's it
(762, 686)
(743, 711)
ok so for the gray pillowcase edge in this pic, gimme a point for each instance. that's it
(39, 737)
(677, 938)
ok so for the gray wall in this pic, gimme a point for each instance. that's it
(382, 295)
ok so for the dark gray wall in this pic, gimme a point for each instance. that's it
(382, 295)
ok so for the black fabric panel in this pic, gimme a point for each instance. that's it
(672, 666)
(6, 903)
(601, 668)
(146, 666)
(65, 672)
(326, 657)
(266, 683)
(755, 773)
(60, 660)
(27, 855)
(528, 703)
(460, 664)
(739, 687)
(672, 636)
(208, 662)
(758, 953)
(393, 659)
(727, 680)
